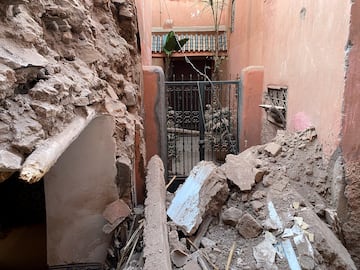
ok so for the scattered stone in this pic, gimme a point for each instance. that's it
(257, 205)
(240, 169)
(245, 197)
(191, 265)
(231, 216)
(296, 205)
(115, 210)
(280, 185)
(273, 149)
(264, 253)
(207, 243)
(330, 216)
(258, 195)
(248, 227)
(179, 257)
(10, 162)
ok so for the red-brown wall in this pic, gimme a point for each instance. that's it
(350, 140)
(252, 81)
(144, 8)
(304, 48)
(155, 113)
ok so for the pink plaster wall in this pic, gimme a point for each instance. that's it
(144, 17)
(304, 48)
(183, 13)
(246, 40)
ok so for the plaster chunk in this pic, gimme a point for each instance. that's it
(240, 169)
(273, 149)
(204, 191)
(9, 162)
(15, 56)
(248, 227)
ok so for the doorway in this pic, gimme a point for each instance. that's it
(22, 225)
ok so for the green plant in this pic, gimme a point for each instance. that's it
(171, 45)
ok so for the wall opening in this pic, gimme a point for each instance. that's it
(22, 225)
(276, 97)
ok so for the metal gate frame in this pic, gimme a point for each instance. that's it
(189, 101)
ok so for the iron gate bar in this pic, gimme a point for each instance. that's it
(188, 103)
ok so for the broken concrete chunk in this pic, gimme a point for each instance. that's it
(179, 257)
(110, 227)
(14, 56)
(115, 210)
(240, 169)
(273, 149)
(257, 205)
(207, 243)
(192, 265)
(248, 227)
(231, 216)
(264, 253)
(204, 191)
(9, 162)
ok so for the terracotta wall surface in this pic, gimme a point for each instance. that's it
(252, 82)
(304, 48)
(183, 13)
(350, 140)
(144, 8)
(246, 39)
(351, 144)
(77, 189)
(155, 113)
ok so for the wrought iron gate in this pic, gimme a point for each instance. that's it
(203, 122)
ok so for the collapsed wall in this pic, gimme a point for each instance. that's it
(62, 65)
(60, 60)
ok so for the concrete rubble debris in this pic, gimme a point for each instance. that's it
(10, 162)
(274, 226)
(264, 253)
(241, 169)
(156, 250)
(116, 212)
(231, 216)
(248, 227)
(273, 149)
(205, 190)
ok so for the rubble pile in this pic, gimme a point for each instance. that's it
(276, 213)
(60, 61)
